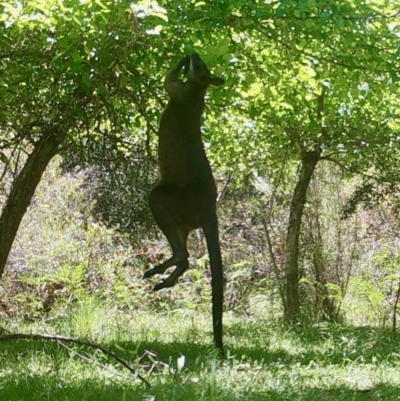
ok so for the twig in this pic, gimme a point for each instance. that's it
(55, 337)
(85, 358)
(223, 190)
(394, 324)
(271, 249)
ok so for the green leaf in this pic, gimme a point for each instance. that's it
(80, 112)
(394, 77)
(76, 57)
(349, 38)
(4, 158)
(9, 8)
(253, 112)
(161, 16)
(136, 80)
(123, 79)
(310, 23)
(86, 79)
(339, 21)
(64, 41)
(223, 46)
(280, 11)
(325, 15)
(303, 5)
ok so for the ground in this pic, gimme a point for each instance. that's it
(265, 362)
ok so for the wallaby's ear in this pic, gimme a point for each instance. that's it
(217, 81)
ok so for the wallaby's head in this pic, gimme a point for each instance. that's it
(198, 79)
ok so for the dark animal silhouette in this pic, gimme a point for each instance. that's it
(185, 197)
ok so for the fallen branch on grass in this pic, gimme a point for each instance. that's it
(61, 339)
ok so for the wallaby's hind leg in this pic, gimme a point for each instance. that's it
(177, 239)
(171, 279)
(159, 201)
(210, 228)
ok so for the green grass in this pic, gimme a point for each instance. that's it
(264, 362)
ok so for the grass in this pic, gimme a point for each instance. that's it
(264, 362)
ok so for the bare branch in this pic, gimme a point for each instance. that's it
(223, 190)
(85, 358)
(55, 337)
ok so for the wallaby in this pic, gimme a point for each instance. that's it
(185, 197)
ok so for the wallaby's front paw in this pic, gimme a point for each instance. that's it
(184, 62)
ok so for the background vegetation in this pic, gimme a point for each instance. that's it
(303, 139)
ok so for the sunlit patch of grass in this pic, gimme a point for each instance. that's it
(264, 362)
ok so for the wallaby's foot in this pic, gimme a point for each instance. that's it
(155, 270)
(164, 284)
(149, 273)
(173, 277)
(176, 259)
(160, 269)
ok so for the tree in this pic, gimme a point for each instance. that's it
(69, 79)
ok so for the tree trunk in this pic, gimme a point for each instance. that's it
(292, 308)
(23, 189)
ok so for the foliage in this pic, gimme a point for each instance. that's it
(330, 250)
(60, 61)
(70, 256)
(119, 190)
(73, 257)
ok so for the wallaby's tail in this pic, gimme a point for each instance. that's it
(210, 229)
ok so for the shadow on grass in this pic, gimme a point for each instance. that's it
(50, 387)
(331, 345)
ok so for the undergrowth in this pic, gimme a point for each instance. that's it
(174, 353)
